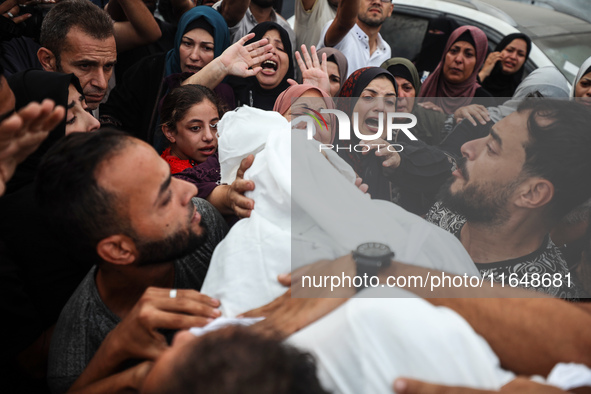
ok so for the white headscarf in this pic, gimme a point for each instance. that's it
(582, 71)
(548, 80)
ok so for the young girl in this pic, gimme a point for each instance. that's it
(190, 115)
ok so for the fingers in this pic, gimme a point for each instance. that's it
(244, 165)
(284, 279)
(307, 58)
(300, 62)
(21, 18)
(363, 187)
(291, 82)
(315, 61)
(247, 37)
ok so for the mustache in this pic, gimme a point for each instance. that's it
(461, 164)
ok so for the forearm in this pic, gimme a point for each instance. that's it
(179, 7)
(210, 76)
(233, 11)
(343, 22)
(530, 332)
(105, 362)
(114, 9)
(219, 199)
(120, 382)
(141, 19)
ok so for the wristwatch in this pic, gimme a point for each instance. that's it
(371, 257)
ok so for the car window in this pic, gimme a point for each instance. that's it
(567, 52)
(405, 34)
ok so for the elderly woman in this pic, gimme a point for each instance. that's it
(454, 83)
(429, 122)
(503, 69)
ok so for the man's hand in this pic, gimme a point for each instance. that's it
(238, 59)
(286, 314)
(241, 205)
(313, 73)
(22, 133)
(360, 185)
(516, 386)
(473, 112)
(390, 158)
(10, 9)
(137, 335)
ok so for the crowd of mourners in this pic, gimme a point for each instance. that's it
(171, 171)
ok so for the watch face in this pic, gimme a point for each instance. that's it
(373, 249)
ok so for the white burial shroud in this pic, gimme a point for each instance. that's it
(306, 209)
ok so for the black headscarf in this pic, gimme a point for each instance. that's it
(37, 85)
(433, 44)
(503, 85)
(368, 167)
(248, 91)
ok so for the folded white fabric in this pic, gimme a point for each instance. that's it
(222, 322)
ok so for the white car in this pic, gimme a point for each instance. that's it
(558, 39)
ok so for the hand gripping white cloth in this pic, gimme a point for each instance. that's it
(306, 209)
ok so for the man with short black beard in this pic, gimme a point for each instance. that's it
(242, 15)
(355, 31)
(113, 202)
(512, 187)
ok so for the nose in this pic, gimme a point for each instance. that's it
(471, 148)
(100, 79)
(194, 56)
(208, 134)
(187, 190)
(92, 123)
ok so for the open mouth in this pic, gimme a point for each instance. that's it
(372, 124)
(193, 69)
(208, 150)
(269, 67)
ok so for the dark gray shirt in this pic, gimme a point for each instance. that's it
(85, 320)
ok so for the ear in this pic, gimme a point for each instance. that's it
(169, 133)
(538, 192)
(47, 59)
(391, 9)
(117, 249)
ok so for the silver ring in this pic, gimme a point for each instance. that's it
(172, 293)
(10, 14)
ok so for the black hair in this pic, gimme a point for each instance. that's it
(236, 360)
(176, 104)
(558, 150)
(79, 210)
(67, 14)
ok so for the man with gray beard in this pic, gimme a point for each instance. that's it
(511, 188)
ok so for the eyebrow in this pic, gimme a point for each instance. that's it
(496, 137)
(376, 93)
(164, 187)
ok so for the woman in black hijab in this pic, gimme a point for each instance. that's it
(262, 90)
(438, 32)
(503, 69)
(64, 90)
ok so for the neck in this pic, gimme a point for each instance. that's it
(120, 287)
(260, 14)
(372, 33)
(516, 238)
